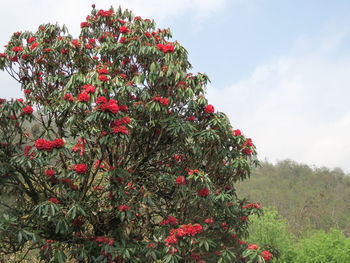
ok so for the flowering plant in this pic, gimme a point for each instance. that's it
(128, 162)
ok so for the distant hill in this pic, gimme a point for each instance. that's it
(316, 198)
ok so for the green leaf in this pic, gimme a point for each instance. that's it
(20, 236)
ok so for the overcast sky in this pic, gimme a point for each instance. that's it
(279, 69)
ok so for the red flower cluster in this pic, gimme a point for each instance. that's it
(28, 110)
(80, 146)
(181, 180)
(190, 172)
(183, 231)
(123, 29)
(209, 109)
(102, 239)
(266, 255)
(75, 43)
(68, 97)
(31, 39)
(118, 127)
(49, 173)
(26, 151)
(191, 118)
(251, 206)
(42, 144)
(203, 192)
(209, 221)
(246, 146)
(80, 168)
(102, 74)
(170, 221)
(53, 200)
(163, 101)
(48, 245)
(166, 48)
(121, 129)
(124, 208)
(89, 88)
(34, 45)
(103, 105)
(104, 13)
(17, 49)
(84, 97)
(84, 24)
(253, 247)
(237, 133)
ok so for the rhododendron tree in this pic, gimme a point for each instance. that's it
(131, 163)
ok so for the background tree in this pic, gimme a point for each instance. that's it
(127, 161)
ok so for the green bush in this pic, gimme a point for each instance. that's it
(322, 247)
(271, 228)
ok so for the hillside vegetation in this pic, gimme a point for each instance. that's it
(309, 198)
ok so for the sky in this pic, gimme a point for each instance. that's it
(280, 70)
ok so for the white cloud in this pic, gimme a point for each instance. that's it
(295, 106)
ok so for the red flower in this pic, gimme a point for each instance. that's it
(84, 24)
(53, 200)
(125, 120)
(181, 180)
(34, 45)
(31, 39)
(58, 143)
(209, 109)
(237, 132)
(209, 221)
(160, 47)
(247, 151)
(84, 97)
(26, 150)
(113, 106)
(121, 129)
(49, 173)
(103, 78)
(89, 88)
(42, 144)
(123, 108)
(124, 208)
(68, 97)
(80, 168)
(253, 247)
(163, 101)
(171, 220)
(122, 40)
(248, 142)
(123, 29)
(266, 255)
(17, 49)
(101, 100)
(203, 192)
(75, 43)
(168, 48)
(103, 71)
(28, 110)
(191, 118)
(241, 242)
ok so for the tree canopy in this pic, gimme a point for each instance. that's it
(115, 154)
